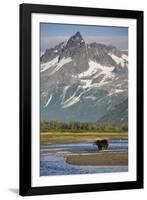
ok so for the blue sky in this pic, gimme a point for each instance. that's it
(52, 34)
(67, 30)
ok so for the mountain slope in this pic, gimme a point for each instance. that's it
(119, 115)
(82, 81)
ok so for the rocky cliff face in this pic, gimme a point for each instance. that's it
(82, 81)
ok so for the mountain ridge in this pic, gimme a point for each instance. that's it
(82, 81)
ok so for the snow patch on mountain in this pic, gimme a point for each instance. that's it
(49, 100)
(119, 91)
(49, 64)
(107, 71)
(115, 92)
(86, 83)
(119, 60)
(64, 93)
(90, 97)
(125, 57)
(94, 69)
(62, 62)
(72, 101)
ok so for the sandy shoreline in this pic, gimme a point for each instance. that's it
(99, 159)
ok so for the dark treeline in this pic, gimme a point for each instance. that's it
(77, 126)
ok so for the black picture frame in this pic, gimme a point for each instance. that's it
(25, 187)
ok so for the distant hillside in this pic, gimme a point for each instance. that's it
(119, 115)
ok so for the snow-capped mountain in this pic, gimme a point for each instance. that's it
(82, 81)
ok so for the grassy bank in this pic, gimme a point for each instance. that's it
(63, 137)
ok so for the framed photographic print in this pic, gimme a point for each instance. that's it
(81, 99)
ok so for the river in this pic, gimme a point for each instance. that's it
(53, 158)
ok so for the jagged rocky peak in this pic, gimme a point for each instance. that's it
(76, 37)
(75, 48)
(76, 40)
(78, 34)
(52, 52)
